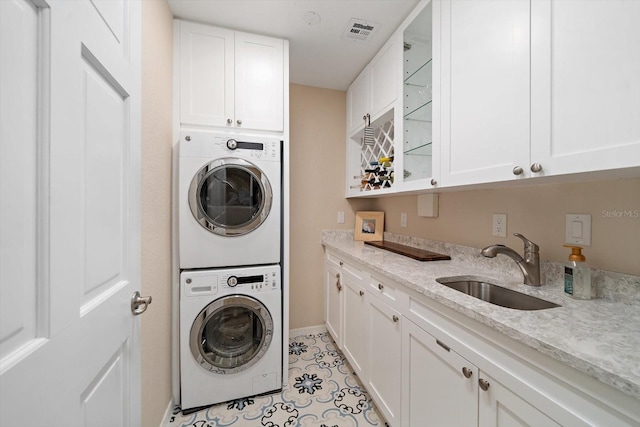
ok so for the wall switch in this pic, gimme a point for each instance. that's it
(403, 219)
(340, 217)
(500, 225)
(578, 229)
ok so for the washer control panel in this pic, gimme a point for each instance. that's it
(209, 144)
(226, 281)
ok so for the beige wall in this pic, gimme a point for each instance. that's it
(538, 212)
(317, 125)
(157, 72)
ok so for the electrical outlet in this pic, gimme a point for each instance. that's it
(500, 225)
(403, 219)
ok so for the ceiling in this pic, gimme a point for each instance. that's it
(318, 54)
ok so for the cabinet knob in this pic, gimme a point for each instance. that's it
(484, 384)
(340, 263)
(338, 285)
(536, 167)
(361, 293)
(229, 121)
(467, 372)
(434, 181)
(239, 122)
(517, 170)
(380, 286)
(395, 318)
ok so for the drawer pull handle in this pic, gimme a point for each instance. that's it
(361, 293)
(484, 384)
(338, 285)
(395, 318)
(443, 345)
(380, 286)
(467, 372)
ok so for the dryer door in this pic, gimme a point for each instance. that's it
(231, 334)
(230, 197)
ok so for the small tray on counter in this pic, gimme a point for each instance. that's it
(411, 252)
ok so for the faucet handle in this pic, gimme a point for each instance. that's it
(529, 246)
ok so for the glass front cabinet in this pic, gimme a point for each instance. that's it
(392, 149)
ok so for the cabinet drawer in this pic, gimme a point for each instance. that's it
(386, 290)
(344, 267)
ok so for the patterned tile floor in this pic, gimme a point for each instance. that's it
(322, 392)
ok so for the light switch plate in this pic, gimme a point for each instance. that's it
(340, 217)
(578, 229)
(403, 219)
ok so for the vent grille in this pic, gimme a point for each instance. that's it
(359, 29)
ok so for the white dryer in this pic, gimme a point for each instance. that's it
(230, 334)
(229, 200)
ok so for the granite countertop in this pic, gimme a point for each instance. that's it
(599, 337)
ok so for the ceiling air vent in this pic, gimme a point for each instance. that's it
(359, 29)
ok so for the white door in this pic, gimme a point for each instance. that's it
(69, 212)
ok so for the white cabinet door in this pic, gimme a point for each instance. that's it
(585, 85)
(259, 82)
(355, 327)
(358, 101)
(384, 78)
(333, 302)
(206, 75)
(485, 93)
(440, 387)
(501, 407)
(385, 348)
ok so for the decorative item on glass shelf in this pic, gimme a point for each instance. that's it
(369, 226)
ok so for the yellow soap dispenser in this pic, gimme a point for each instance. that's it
(577, 275)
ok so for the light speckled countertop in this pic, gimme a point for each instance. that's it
(600, 337)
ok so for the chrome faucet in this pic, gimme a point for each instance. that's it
(530, 264)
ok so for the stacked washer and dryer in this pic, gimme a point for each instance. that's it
(230, 231)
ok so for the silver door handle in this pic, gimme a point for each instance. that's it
(139, 304)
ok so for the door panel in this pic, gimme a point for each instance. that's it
(18, 191)
(81, 364)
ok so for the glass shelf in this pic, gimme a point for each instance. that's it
(421, 150)
(420, 77)
(421, 114)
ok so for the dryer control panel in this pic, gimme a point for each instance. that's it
(209, 144)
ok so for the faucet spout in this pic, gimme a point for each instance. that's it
(529, 264)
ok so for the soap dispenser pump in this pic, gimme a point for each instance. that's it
(577, 275)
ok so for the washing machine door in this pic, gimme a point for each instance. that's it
(230, 197)
(231, 334)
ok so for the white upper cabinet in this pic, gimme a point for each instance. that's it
(485, 103)
(230, 79)
(376, 88)
(585, 104)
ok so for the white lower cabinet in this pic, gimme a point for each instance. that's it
(425, 365)
(355, 327)
(385, 353)
(440, 386)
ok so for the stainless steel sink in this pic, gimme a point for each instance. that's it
(496, 294)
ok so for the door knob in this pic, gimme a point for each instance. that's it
(139, 304)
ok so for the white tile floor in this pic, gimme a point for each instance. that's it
(322, 392)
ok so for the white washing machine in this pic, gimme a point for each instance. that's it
(229, 200)
(230, 334)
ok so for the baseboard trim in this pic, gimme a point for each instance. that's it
(308, 330)
(168, 414)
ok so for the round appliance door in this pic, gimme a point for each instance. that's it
(231, 334)
(230, 197)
